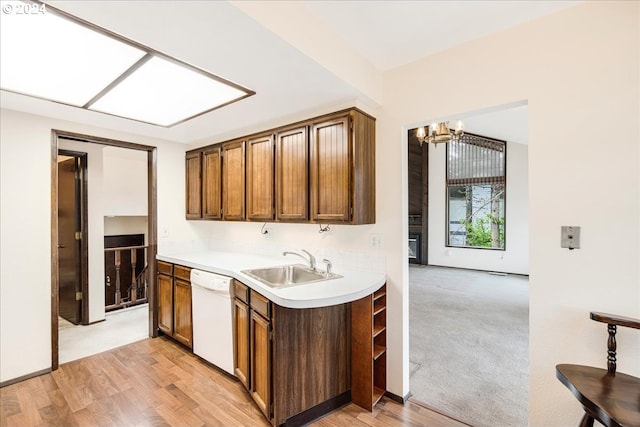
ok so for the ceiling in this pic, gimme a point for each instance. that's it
(219, 37)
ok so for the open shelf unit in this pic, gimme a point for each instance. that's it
(369, 349)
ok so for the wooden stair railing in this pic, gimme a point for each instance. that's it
(611, 397)
(136, 290)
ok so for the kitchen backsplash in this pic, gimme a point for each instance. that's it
(351, 260)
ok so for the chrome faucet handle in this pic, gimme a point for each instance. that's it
(312, 259)
(329, 265)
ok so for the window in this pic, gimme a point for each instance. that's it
(476, 184)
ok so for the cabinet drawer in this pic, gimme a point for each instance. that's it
(260, 304)
(165, 268)
(241, 291)
(181, 272)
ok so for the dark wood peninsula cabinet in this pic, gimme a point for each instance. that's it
(321, 170)
(294, 363)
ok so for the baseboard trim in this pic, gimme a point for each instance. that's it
(401, 400)
(319, 410)
(25, 377)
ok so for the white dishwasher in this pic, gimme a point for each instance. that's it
(212, 319)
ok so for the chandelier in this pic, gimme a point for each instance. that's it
(439, 132)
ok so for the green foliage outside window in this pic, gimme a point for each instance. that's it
(479, 231)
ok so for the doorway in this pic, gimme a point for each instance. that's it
(56, 259)
(468, 308)
(72, 237)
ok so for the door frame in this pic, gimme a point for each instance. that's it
(84, 229)
(152, 208)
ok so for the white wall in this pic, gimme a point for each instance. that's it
(25, 247)
(125, 182)
(95, 223)
(515, 257)
(576, 68)
(25, 227)
(116, 225)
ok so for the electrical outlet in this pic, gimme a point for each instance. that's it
(376, 240)
(570, 237)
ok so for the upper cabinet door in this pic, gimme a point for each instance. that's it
(292, 177)
(193, 188)
(260, 178)
(212, 183)
(330, 170)
(233, 180)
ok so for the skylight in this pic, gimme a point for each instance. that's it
(48, 54)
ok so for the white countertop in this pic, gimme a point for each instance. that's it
(351, 287)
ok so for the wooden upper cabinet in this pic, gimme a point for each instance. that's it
(321, 170)
(292, 177)
(212, 183)
(260, 178)
(330, 171)
(342, 169)
(233, 180)
(193, 168)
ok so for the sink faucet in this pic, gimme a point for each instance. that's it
(311, 260)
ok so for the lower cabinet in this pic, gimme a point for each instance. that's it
(261, 363)
(253, 349)
(174, 302)
(182, 319)
(369, 349)
(241, 354)
(165, 301)
(294, 362)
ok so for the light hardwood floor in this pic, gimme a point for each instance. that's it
(155, 382)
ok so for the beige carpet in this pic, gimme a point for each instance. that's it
(469, 335)
(120, 327)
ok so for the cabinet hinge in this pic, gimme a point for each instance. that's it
(270, 409)
(78, 296)
(270, 334)
(78, 235)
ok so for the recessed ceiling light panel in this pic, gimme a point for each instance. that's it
(50, 57)
(162, 92)
(49, 54)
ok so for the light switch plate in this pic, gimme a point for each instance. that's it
(570, 237)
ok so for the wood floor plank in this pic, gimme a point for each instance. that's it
(158, 383)
(83, 418)
(28, 406)
(131, 406)
(49, 416)
(181, 416)
(9, 403)
(62, 407)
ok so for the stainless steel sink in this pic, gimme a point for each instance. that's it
(288, 275)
